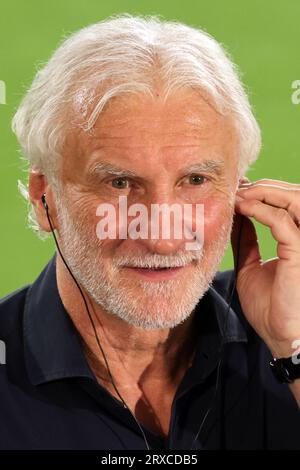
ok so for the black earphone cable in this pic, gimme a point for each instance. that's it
(93, 326)
(102, 351)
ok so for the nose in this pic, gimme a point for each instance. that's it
(169, 229)
(163, 247)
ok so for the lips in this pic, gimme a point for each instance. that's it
(158, 269)
(156, 273)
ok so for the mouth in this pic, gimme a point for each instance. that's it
(156, 274)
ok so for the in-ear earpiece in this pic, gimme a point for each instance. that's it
(44, 201)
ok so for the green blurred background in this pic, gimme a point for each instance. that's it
(262, 37)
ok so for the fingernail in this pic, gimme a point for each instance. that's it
(244, 179)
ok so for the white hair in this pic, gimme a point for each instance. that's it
(120, 55)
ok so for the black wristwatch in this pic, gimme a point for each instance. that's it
(286, 369)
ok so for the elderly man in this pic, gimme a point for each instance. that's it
(137, 342)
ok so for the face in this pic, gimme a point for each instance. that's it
(151, 152)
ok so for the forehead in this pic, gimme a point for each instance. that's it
(136, 123)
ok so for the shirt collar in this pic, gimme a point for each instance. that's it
(51, 342)
(52, 345)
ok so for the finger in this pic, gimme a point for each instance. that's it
(285, 198)
(276, 183)
(244, 242)
(282, 226)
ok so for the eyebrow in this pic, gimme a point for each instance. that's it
(108, 168)
(207, 166)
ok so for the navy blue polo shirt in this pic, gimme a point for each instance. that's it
(50, 399)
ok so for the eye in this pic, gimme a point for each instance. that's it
(120, 183)
(196, 180)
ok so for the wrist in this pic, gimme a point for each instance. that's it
(285, 364)
(285, 349)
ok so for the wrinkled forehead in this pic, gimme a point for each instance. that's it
(186, 118)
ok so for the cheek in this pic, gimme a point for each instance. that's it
(109, 227)
(216, 214)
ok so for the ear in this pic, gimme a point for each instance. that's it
(37, 186)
